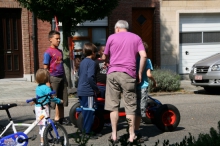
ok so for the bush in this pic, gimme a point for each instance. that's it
(212, 139)
(166, 81)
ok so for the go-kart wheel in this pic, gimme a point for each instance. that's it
(73, 115)
(149, 119)
(97, 125)
(167, 118)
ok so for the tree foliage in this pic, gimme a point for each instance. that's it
(70, 13)
(78, 10)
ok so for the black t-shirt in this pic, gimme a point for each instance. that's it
(101, 71)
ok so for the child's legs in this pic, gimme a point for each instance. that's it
(88, 112)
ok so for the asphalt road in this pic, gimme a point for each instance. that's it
(199, 112)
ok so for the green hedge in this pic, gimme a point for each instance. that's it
(167, 81)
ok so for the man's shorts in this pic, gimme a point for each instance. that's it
(117, 83)
(142, 102)
(59, 85)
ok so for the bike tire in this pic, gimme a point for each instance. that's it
(73, 115)
(49, 136)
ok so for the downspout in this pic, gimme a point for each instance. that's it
(34, 38)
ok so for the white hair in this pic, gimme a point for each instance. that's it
(122, 24)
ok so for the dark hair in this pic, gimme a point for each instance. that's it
(42, 76)
(145, 46)
(89, 49)
(52, 33)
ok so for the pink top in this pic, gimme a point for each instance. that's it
(122, 49)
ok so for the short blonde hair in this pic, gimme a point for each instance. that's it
(42, 76)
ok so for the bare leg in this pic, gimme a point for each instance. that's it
(137, 122)
(59, 112)
(114, 122)
(132, 127)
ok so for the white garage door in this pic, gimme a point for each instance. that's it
(199, 38)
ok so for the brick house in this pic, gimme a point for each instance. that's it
(163, 24)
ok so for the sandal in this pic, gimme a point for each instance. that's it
(112, 141)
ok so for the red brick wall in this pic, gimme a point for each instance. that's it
(124, 12)
(43, 42)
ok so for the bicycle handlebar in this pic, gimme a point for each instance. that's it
(37, 97)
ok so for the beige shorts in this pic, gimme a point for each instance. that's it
(117, 83)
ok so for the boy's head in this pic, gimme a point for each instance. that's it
(42, 76)
(54, 38)
(145, 46)
(101, 50)
(89, 49)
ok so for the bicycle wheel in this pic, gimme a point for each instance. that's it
(50, 138)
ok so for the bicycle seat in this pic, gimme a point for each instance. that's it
(7, 106)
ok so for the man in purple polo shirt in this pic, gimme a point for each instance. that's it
(122, 49)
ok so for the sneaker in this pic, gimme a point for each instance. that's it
(63, 121)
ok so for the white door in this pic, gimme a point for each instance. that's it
(199, 38)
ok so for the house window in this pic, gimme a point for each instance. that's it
(211, 37)
(95, 35)
(191, 37)
(199, 37)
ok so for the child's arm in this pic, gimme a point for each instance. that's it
(150, 76)
(56, 100)
(46, 68)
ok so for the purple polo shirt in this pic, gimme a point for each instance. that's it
(122, 49)
(53, 57)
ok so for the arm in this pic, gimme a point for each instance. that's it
(46, 67)
(143, 57)
(106, 59)
(91, 77)
(56, 100)
(150, 76)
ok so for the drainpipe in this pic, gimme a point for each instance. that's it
(34, 38)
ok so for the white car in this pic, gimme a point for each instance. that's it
(206, 73)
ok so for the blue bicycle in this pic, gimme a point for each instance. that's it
(54, 133)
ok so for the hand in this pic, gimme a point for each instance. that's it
(139, 78)
(32, 103)
(61, 101)
(48, 84)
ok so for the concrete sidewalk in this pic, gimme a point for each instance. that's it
(19, 90)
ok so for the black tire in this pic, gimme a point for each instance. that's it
(149, 119)
(167, 118)
(73, 115)
(98, 123)
(49, 136)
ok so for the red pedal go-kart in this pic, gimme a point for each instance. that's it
(166, 117)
